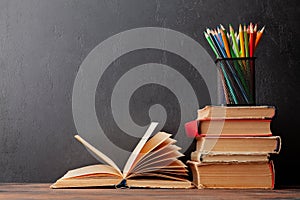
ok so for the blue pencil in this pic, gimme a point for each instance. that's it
(232, 71)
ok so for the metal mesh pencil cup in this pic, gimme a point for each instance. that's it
(236, 81)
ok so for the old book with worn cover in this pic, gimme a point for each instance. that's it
(227, 157)
(238, 145)
(154, 163)
(233, 175)
(236, 112)
(235, 127)
(232, 121)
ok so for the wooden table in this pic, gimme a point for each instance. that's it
(42, 191)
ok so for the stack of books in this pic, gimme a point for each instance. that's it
(233, 147)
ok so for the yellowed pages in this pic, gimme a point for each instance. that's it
(98, 153)
(159, 162)
(162, 149)
(159, 175)
(92, 169)
(138, 148)
(151, 144)
(93, 175)
(85, 182)
(159, 183)
(166, 152)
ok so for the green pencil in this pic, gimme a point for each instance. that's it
(218, 54)
(246, 41)
(211, 44)
(235, 47)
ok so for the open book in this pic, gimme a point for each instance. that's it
(153, 163)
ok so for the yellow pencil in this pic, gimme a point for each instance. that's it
(242, 45)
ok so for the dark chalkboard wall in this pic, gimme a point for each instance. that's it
(43, 44)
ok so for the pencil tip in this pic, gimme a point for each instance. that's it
(251, 28)
(255, 28)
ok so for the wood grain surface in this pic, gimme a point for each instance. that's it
(42, 191)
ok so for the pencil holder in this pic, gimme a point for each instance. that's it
(236, 84)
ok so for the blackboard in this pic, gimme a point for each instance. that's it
(43, 45)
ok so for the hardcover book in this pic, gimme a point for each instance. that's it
(232, 121)
(236, 112)
(235, 127)
(233, 175)
(232, 145)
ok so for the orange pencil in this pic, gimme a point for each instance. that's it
(225, 41)
(258, 36)
(254, 36)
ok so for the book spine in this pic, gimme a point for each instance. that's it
(191, 129)
(272, 169)
(278, 147)
(195, 174)
(196, 156)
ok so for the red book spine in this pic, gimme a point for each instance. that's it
(271, 165)
(191, 128)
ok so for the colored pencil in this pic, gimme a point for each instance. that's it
(258, 36)
(214, 48)
(236, 74)
(246, 41)
(226, 44)
(220, 37)
(225, 41)
(251, 41)
(242, 44)
(228, 79)
(235, 47)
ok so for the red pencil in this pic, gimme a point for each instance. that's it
(251, 41)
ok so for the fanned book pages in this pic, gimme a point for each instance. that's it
(154, 163)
